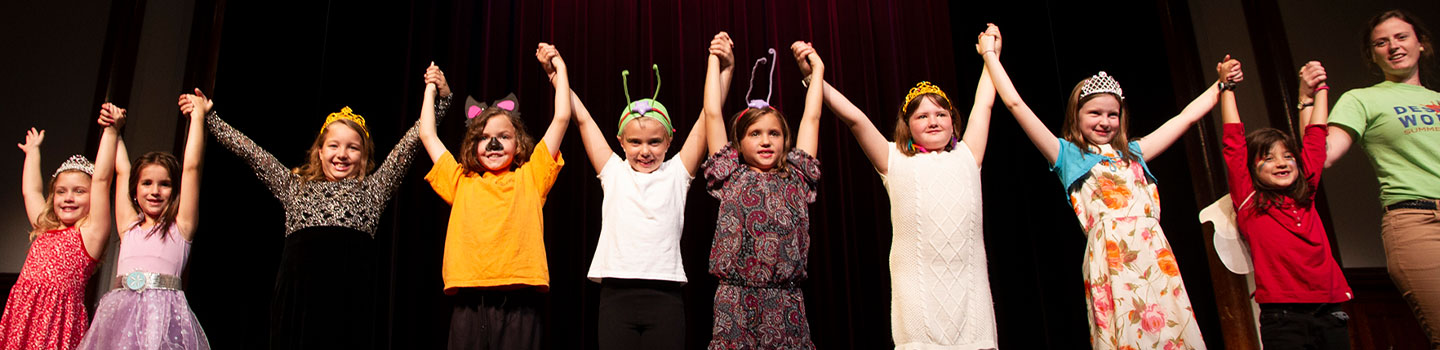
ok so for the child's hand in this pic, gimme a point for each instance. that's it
(1229, 70)
(111, 116)
(722, 47)
(33, 139)
(1312, 77)
(802, 51)
(989, 40)
(549, 57)
(195, 105)
(433, 75)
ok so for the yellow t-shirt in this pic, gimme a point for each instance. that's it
(496, 234)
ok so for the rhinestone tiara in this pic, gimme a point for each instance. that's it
(76, 162)
(1101, 83)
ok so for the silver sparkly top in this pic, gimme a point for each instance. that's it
(350, 203)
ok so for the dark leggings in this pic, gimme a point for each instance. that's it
(487, 319)
(1304, 326)
(641, 314)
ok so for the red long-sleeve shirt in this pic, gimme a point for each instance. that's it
(1287, 243)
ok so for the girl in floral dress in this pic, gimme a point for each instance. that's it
(762, 232)
(1135, 295)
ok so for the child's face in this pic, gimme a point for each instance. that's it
(1394, 47)
(1100, 119)
(760, 146)
(1277, 168)
(71, 199)
(931, 126)
(153, 190)
(341, 152)
(645, 143)
(496, 156)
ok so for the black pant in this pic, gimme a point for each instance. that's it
(487, 319)
(1303, 326)
(641, 314)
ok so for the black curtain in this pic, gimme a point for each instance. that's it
(283, 68)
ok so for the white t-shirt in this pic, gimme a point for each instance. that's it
(643, 215)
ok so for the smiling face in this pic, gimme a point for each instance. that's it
(70, 197)
(1099, 118)
(341, 153)
(153, 190)
(1395, 47)
(931, 125)
(762, 145)
(1277, 167)
(645, 142)
(495, 146)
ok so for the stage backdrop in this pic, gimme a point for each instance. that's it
(281, 69)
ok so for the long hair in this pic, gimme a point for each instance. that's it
(903, 138)
(524, 143)
(1071, 130)
(172, 207)
(48, 220)
(1422, 35)
(750, 116)
(314, 168)
(1266, 196)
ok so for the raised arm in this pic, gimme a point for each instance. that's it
(1229, 111)
(32, 187)
(1314, 96)
(714, 99)
(96, 229)
(872, 142)
(1164, 136)
(125, 213)
(556, 133)
(1044, 141)
(807, 137)
(269, 170)
(722, 49)
(386, 179)
(977, 130)
(188, 217)
(434, 83)
(596, 147)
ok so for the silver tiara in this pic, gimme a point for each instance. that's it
(76, 162)
(1101, 83)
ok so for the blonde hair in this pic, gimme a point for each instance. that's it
(1071, 131)
(48, 220)
(314, 167)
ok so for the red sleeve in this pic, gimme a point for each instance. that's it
(1314, 153)
(1237, 171)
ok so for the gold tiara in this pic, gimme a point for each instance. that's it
(345, 113)
(922, 88)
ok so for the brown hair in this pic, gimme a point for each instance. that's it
(1422, 34)
(314, 167)
(1259, 143)
(904, 140)
(1071, 130)
(48, 220)
(172, 168)
(524, 143)
(750, 116)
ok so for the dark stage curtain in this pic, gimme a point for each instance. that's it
(281, 70)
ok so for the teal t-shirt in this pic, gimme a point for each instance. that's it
(1399, 127)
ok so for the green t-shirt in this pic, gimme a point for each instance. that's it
(1399, 127)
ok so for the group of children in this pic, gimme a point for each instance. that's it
(763, 173)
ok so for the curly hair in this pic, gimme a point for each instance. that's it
(470, 159)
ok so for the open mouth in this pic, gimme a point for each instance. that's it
(765, 153)
(645, 162)
(1395, 58)
(340, 166)
(494, 156)
(69, 208)
(1281, 173)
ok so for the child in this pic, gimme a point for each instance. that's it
(1134, 292)
(637, 260)
(46, 307)
(494, 262)
(332, 204)
(932, 172)
(765, 184)
(1298, 284)
(147, 309)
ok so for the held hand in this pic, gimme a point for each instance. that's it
(989, 40)
(195, 105)
(722, 47)
(802, 51)
(33, 138)
(547, 55)
(433, 75)
(111, 116)
(1229, 70)
(1312, 78)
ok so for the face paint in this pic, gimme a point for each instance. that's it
(494, 145)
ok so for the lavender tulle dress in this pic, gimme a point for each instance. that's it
(147, 310)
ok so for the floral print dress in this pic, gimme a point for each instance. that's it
(761, 246)
(1134, 292)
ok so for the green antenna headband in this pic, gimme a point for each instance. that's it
(647, 107)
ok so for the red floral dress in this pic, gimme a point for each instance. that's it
(762, 243)
(1134, 292)
(46, 309)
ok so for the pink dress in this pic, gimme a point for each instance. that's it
(46, 309)
(156, 318)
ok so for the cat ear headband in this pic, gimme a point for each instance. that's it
(474, 108)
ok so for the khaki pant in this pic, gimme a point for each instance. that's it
(1412, 255)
